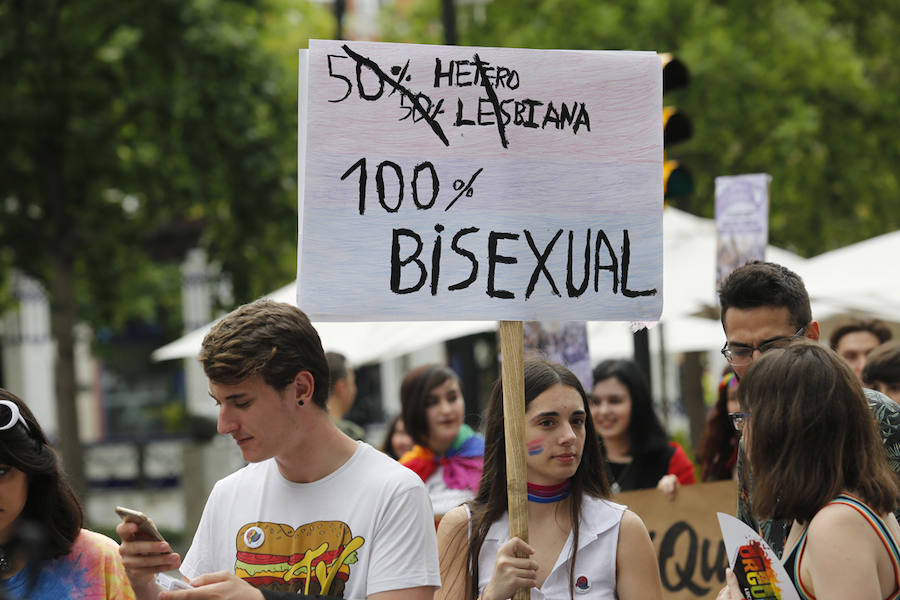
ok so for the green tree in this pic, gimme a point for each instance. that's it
(805, 91)
(134, 130)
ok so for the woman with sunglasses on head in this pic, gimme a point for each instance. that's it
(637, 453)
(580, 542)
(447, 454)
(63, 561)
(817, 460)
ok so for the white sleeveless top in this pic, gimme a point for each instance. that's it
(595, 567)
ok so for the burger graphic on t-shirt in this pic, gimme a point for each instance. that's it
(312, 559)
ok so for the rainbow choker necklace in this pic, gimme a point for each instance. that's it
(545, 494)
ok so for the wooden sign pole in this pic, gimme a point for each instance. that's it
(513, 376)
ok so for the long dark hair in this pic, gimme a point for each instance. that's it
(811, 434)
(645, 432)
(491, 501)
(51, 502)
(720, 440)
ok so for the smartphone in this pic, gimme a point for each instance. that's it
(170, 583)
(147, 531)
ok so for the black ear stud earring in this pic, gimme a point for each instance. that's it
(300, 403)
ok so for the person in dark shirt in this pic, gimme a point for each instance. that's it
(637, 453)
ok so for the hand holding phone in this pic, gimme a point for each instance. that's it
(169, 583)
(147, 531)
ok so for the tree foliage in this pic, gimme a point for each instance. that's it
(805, 91)
(134, 130)
(152, 126)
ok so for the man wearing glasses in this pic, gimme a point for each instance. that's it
(766, 306)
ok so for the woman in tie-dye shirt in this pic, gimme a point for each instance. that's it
(44, 552)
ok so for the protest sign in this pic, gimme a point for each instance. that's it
(455, 183)
(686, 535)
(742, 221)
(759, 571)
(564, 343)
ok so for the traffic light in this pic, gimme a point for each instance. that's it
(677, 127)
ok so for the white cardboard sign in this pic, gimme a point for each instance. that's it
(462, 183)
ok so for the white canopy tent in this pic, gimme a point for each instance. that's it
(859, 278)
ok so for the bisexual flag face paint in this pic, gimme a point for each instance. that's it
(535, 446)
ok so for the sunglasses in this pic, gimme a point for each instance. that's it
(14, 416)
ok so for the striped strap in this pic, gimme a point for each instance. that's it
(801, 546)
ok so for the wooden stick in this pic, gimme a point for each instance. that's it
(513, 376)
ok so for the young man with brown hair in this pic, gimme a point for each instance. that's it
(314, 512)
(855, 339)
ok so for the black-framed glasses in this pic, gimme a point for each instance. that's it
(741, 355)
(738, 419)
(14, 416)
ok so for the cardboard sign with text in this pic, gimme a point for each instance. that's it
(686, 536)
(759, 571)
(462, 183)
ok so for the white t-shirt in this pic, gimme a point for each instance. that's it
(595, 567)
(366, 528)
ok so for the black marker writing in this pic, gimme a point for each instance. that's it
(495, 257)
(362, 61)
(709, 556)
(525, 113)
(458, 74)
(388, 172)
(406, 264)
(541, 266)
(492, 96)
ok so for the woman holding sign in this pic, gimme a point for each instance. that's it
(817, 458)
(637, 454)
(581, 543)
(448, 454)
